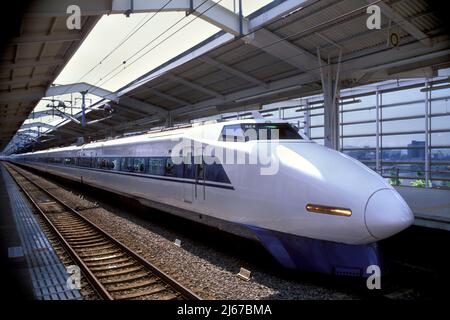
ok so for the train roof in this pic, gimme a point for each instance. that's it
(203, 131)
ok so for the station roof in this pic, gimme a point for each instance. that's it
(30, 63)
(287, 46)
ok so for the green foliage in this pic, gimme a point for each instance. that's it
(419, 183)
(394, 181)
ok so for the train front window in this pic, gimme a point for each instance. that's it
(259, 131)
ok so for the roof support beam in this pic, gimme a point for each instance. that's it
(252, 94)
(168, 97)
(282, 49)
(284, 8)
(207, 10)
(388, 57)
(53, 38)
(24, 80)
(27, 132)
(80, 87)
(106, 94)
(45, 113)
(37, 124)
(8, 120)
(22, 95)
(143, 106)
(414, 60)
(232, 71)
(195, 86)
(32, 63)
(390, 12)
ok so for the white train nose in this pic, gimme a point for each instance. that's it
(387, 214)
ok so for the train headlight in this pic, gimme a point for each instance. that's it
(317, 208)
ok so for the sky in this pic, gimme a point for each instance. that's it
(112, 30)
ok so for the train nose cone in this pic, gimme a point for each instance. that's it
(387, 214)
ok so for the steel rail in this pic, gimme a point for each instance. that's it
(185, 292)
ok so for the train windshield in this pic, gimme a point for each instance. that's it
(259, 131)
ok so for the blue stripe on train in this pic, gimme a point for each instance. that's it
(228, 187)
(214, 171)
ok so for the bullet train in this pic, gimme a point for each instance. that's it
(312, 208)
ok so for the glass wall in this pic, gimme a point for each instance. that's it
(439, 138)
(400, 129)
(412, 144)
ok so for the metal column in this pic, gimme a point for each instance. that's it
(427, 134)
(377, 122)
(307, 120)
(341, 124)
(83, 108)
(331, 117)
(241, 19)
(331, 92)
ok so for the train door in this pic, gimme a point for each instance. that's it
(188, 174)
(194, 175)
(199, 172)
(81, 162)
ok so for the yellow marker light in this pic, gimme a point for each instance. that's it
(316, 208)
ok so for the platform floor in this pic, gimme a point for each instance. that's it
(34, 268)
(431, 207)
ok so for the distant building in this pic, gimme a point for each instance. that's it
(391, 154)
(416, 149)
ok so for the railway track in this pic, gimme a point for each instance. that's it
(113, 270)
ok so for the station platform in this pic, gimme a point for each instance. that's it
(33, 269)
(431, 207)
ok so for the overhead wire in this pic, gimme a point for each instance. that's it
(130, 34)
(258, 49)
(125, 64)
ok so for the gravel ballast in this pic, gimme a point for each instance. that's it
(209, 272)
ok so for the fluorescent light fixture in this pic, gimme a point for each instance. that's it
(265, 94)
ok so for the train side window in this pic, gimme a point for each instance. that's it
(139, 165)
(189, 170)
(103, 164)
(85, 162)
(156, 166)
(169, 168)
(114, 164)
(126, 164)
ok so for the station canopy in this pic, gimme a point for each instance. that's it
(282, 51)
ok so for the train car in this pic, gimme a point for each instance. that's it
(312, 208)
